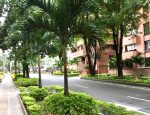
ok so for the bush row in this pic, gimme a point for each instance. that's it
(112, 109)
(32, 107)
(33, 96)
(70, 73)
(125, 79)
(16, 76)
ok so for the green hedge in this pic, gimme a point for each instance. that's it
(25, 82)
(124, 80)
(16, 76)
(57, 73)
(32, 107)
(112, 109)
(70, 73)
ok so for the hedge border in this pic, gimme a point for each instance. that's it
(119, 82)
(22, 106)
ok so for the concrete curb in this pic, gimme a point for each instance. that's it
(22, 106)
(117, 82)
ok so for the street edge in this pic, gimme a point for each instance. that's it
(121, 83)
(22, 106)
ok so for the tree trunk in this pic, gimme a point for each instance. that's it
(27, 70)
(39, 70)
(24, 70)
(15, 63)
(91, 66)
(120, 69)
(119, 65)
(64, 54)
(118, 49)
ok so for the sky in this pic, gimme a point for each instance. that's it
(2, 20)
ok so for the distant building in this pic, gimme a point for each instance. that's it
(79, 52)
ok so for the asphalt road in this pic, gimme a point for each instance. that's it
(131, 97)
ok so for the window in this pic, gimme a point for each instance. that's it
(130, 47)
(147, 28)
(147, 62)
(147, 46)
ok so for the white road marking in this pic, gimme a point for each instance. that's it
(80, 86)
(139, 99)
(132, 108)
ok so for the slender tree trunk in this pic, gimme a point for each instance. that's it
(24, 70)
(27, 70)
(95, 57)
(120, 72)
(15, 63)
(39, 70)
(18, 67)
(66, 89)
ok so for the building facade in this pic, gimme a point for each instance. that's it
(79, 52)
(139, 43)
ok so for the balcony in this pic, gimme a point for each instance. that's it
(130, 40)
(78, 53)
(128, 55)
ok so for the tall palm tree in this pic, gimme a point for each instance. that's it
(62, 15)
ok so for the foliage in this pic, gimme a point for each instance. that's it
(73, 61)
(57, 73)
(56, 88)
(112, 62)
(17, 76)
(125, 80)
(137, 59)
(112, 109)
(38, 93)
(70, 73)
(128, 63)
(25, 82)
(75, 103)
(32, 107)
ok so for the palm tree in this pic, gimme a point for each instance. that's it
(62, 15)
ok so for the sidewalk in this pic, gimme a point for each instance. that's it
(9, 100)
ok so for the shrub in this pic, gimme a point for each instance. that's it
(25, 82)
(34, 109)
(27, 100)
(58, 73)
(111, 109)
(56, 89)
(38, 93)
(76, 103)
(73, 74)
(17, 76)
